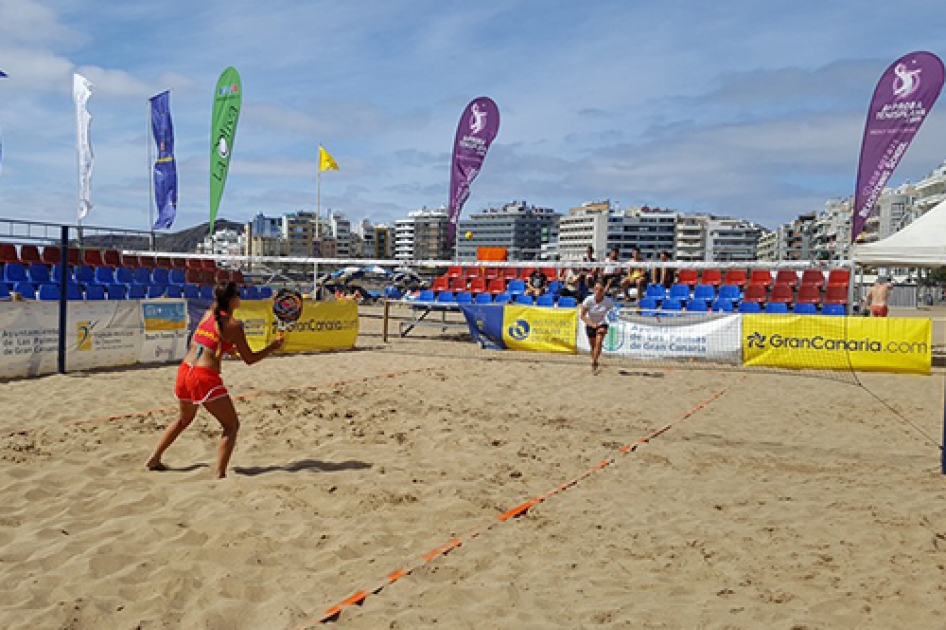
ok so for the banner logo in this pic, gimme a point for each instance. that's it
(84, 336)
(520, 330)
(906, 82)
(756, 340)
(477, 119)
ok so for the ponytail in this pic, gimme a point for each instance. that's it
(224, 293)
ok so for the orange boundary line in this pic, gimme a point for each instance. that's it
(334, 612)
(140, 414)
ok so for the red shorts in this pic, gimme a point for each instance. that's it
(198, 385)
(879, 310)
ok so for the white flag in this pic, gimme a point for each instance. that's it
(81, 91)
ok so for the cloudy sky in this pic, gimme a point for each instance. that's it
(746, 108)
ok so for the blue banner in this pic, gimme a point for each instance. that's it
(486, 324)
(2, 74)
(165, 170)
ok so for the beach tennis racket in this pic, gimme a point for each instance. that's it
(287, 307)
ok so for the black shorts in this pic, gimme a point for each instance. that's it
(592, 331)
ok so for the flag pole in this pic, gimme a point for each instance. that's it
(150, 172)
(318, 196)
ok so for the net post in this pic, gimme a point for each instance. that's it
(63, 308)
(384, 321)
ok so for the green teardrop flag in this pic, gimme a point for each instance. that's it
(227, 100)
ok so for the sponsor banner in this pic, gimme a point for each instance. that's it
(539, 329)
(322, 326)
(164, 171)
(98, 334)
(878, 344)
(228, 99)
(476, 130)
(707, 339)
(165, 330)
(486, 324)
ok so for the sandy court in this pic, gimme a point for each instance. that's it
(784, 502)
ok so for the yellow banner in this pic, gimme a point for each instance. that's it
(874, 344)
(322, 326)
(540, 329)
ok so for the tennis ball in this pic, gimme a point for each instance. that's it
(469, 235)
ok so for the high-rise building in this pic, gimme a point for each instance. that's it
(518, 227)
(651, 230)
(583, 227)
(422, 236)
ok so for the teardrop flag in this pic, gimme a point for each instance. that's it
(902, 99)
(228, 98)
(478, 126)
(164, 169)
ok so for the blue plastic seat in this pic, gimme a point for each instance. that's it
(656, 292)
(38, 273)
(174, 291)
(393, 293)
(191, 291)
(834, 309)
(56, 274)
(446, 297)
(73, 292)
(750, 307)
(502, 298)
(4, 291)
(124, 275)
(729, 292)
(723, 306)
(515, 287)
(546, 299)
(85, 274)
(25, 289)
(567, 302)
(105, 275)
(464, 297)
(265, 293)
(177, 276)
(777, 308)
(14, 272)
(483, 298)
(95, 292)
(426, 296)
(522, 298)
(672, 304)
(160, 276)
(48, 292)
(207, 293)
(704, 292)
(805, 308)
(141, 275)
(679, 292)
(155, 291)
(648, 306)
(137, 291)
(697, 305)
(116, 291)
(555, 287)
(252, 292)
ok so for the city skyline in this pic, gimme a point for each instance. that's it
(689, 107)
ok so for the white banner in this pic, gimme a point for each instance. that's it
(707, 338)
(98, 334)
(81, 92)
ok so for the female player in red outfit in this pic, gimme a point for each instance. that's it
(198, 377)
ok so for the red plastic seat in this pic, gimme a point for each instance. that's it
(73, 256)
(453, 272)
(112, 258)
(179, 263)
(839, 278)
(812, 277)
(162, 262)
(29, 254)
(237, 276)
(496, 286)
(490, 273)
(194, 263)
(209, 263)
(782, 293)
(51, 255)
(92, 258)
(808, 294)
(477, 285)
(131, 261)
(737, 277)
(836, 294)
(510, 273)
(787, 277)
(688, 277)
(8, 253)
(755, 293)
(712, 276)
(458, 283)
(762, 277)
(146, 261)
(525, 272)
(222, 275)
(441, 283)
(192, 276)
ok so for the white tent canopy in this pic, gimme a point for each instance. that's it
(920, 244)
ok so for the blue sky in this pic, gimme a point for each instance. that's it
(745, 108)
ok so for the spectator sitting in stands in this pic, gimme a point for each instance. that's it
(636, 278)
(611, 274)
(665, 275)
(537, 284)
(571, 284)
(589, 272)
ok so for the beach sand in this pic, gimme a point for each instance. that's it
(773, 500)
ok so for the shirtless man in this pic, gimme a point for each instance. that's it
(877, 297)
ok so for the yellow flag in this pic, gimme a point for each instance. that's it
(326, 161)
